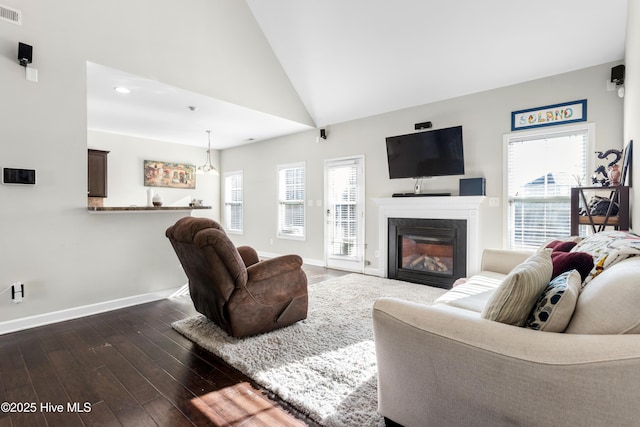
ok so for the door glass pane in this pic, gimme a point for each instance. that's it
(343, 199)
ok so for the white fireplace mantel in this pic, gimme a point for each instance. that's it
(456, 207)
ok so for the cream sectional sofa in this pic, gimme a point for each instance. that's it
(446, 365)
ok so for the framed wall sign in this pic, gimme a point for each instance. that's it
(558, 114)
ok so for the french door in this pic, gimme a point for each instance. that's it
(344, 209)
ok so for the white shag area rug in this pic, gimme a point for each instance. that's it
(325, 365)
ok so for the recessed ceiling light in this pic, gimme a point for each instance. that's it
(121, 89)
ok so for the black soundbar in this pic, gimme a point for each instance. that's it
(420, 194)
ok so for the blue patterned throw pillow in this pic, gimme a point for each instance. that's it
(554, 308)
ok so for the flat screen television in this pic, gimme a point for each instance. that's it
(425, 154)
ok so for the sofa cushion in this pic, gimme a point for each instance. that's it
(513, 299)
(610, 303)
(554, 308)
(474, 293)
(567, 261)
(608, 248)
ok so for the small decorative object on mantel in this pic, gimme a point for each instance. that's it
(609, 175)
(157, 200)
(557, 114)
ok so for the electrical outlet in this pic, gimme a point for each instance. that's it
(494, 201)
(17, 292)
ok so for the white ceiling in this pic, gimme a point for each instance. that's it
(154, 110)
(357, 58)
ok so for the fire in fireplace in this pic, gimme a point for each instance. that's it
(427, 251)
(426, 254)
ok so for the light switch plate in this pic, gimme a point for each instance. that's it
(32, 74)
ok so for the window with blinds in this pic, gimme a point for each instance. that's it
(233, 195)
(291, 196)
(541, 169)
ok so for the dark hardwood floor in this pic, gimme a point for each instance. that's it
(129, 367)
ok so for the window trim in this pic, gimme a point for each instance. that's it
(229, 230)
(279, 234)
(589, 127)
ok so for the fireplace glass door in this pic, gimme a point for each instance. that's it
(428, 254)
(427, 251)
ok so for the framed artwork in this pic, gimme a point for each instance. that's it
(557, 114)
(165, 174)
(626, 164)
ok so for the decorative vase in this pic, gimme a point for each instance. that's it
(157, 200)
(614, 175)
(149, 196)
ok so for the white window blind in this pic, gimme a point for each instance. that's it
(233, 199)
(291, 197)
(343, 197)
(541, 169)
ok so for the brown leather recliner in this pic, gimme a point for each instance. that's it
(231, 286)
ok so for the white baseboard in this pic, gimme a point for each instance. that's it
(320, 263)
(82, 311)
(314, 262)
(373, 272)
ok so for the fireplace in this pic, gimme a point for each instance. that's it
(427, 251)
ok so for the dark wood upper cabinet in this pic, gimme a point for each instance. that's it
(97, 173)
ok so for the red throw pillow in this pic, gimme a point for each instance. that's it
(565, 261)
(561, 246)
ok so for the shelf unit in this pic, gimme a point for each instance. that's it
(618, 194)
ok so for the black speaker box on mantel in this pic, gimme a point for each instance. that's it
(472, 187)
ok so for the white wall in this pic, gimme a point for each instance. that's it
(65, 256)
(632, 102)
(485, 118)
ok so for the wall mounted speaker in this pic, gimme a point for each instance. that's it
(25, 54)
(617, 74)
(472, 187)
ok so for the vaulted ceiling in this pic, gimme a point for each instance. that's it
(357, 58)
(349, 59)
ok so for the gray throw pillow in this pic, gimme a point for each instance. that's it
(513, 300)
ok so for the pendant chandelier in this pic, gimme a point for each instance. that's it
(208, 166)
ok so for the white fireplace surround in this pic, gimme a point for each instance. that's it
(456, 207)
